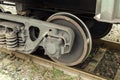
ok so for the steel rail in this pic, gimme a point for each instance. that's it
(81, 75)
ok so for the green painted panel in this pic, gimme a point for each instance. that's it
(107, 7)
(118, 11)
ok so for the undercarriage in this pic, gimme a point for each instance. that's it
(63, 29)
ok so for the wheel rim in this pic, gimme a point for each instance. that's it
(82, 44)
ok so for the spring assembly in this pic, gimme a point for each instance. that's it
(2, 36)
(12, 35)
(21, 39)
(2, 40)
(11, 39)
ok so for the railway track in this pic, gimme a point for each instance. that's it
(104, 61)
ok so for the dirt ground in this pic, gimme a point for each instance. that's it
(109, 65)
(114, 34)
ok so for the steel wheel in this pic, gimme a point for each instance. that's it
(98, 29)
(82, 42)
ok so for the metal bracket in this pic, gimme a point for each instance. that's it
(45, 29)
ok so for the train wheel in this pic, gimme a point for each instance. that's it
(82, 42)
(98, 29)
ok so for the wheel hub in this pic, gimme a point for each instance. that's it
(54, 46)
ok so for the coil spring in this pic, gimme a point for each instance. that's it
(21, 42)
(11, 40)
(2, 40)
(2, 36)
(20, 39)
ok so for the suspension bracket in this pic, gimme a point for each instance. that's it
(25, 35)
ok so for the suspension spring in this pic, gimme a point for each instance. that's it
(2, 40)
(2, 36)
(21, 42)
(11, 41)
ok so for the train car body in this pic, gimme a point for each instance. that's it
(108, 11)
(77, 6)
